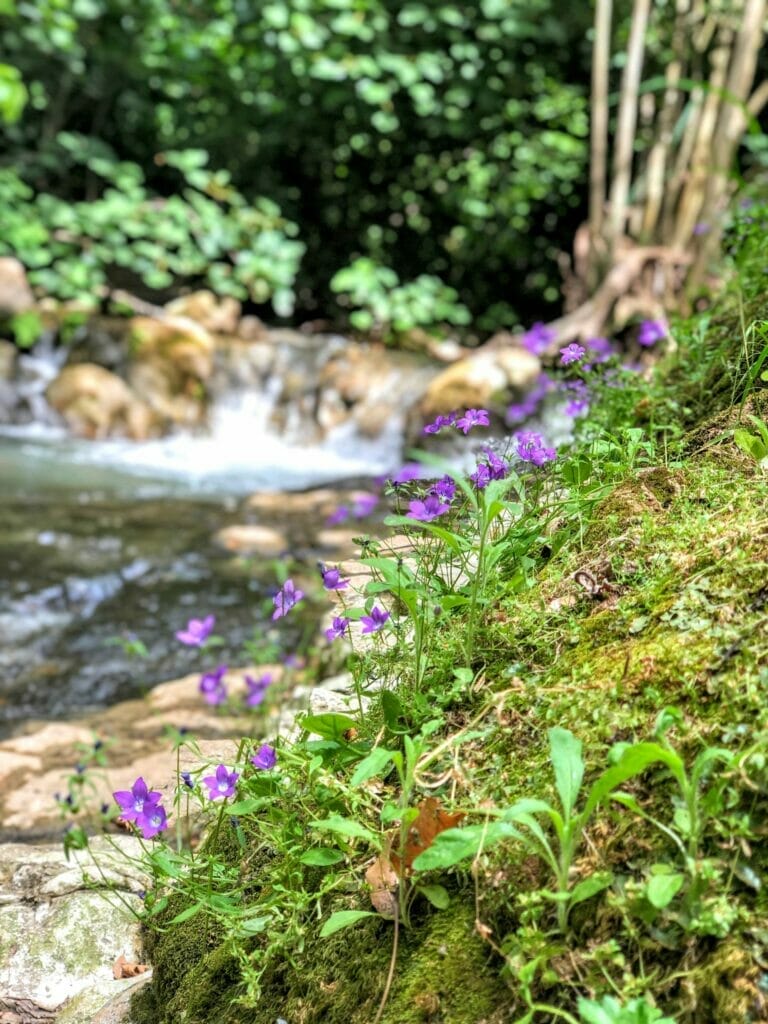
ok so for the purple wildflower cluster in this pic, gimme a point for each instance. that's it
(467, 421)
(578, 400)
(538, 338)
(521, 411)
(531, 447)
(436, 502)
(572, 353)
(338, 629)
(142, 806)
(491, 467)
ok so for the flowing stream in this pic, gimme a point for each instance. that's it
(109, 539)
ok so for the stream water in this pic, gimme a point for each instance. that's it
(108, 540)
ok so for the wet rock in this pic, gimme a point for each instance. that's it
(476, 381)
(218, 315)
(60, 934)
(96, 403)
(320, 502)
(252, 539)
(15, 293)
(173, 358)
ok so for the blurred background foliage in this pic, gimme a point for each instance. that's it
(392, 161)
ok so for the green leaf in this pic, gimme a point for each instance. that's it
(458, 844)
(436, 894)
(345, 827)
(565, 752)
(378, 759)
(187, 913)
(330, 726)
(249, 805)
(321, 857)
(662, 889)
(343, 919)
(633, 761)
(589, 887)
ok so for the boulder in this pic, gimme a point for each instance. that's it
(475, 382)
(96, 403)
(15, 293)
(61, 934)
(215, 314)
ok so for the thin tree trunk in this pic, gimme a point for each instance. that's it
(627, 120)
(598, 170)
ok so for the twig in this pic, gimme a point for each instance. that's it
(392, 962)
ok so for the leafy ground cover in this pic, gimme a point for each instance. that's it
(549, 800)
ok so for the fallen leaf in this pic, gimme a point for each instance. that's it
(429, 823)
(122, 968)
(383, 880)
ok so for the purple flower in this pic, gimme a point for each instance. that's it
(332, 579)
(285, 599)
(577, 407)
(444, 488)
(264, 758)
(572, 353)
(701, 228)
(373, 623)
(340, 515)
(427, 510)
(294, 661)
(152, 820)
(134, 801)
(212, 686)
(364, 505)
(338, 629)
(197, 631)
(650, 332)
(481, 477)
(439, 422)
(186, 778)
(537, 339)
(532, 448)
(404, 475)
(601, 347)
(222, 784)
(520, 411)
(257, 689)
(472, 418)
(497, 466)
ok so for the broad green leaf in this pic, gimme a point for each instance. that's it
(633, 761)
(436, 894)
(662, 889)
(457, 844)
(330, 726)
(343, 919)
(321, 857)
(249, 805)
(187, 913)
(374, 764)
(565, 751)
(589, 887)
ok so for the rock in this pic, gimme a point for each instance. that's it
(173, 358)
(317, 503)
(339, 542)
(15, 293)
(60, 934)
(474, 382)
(7, 360)
(252, 539)
(218, 315)
(251, 329)
(96, 403)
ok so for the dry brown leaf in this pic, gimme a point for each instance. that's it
(430, 822)
(122, 968)
(383, 880)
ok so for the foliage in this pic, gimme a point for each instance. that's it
(438, 139)
(205, 233)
